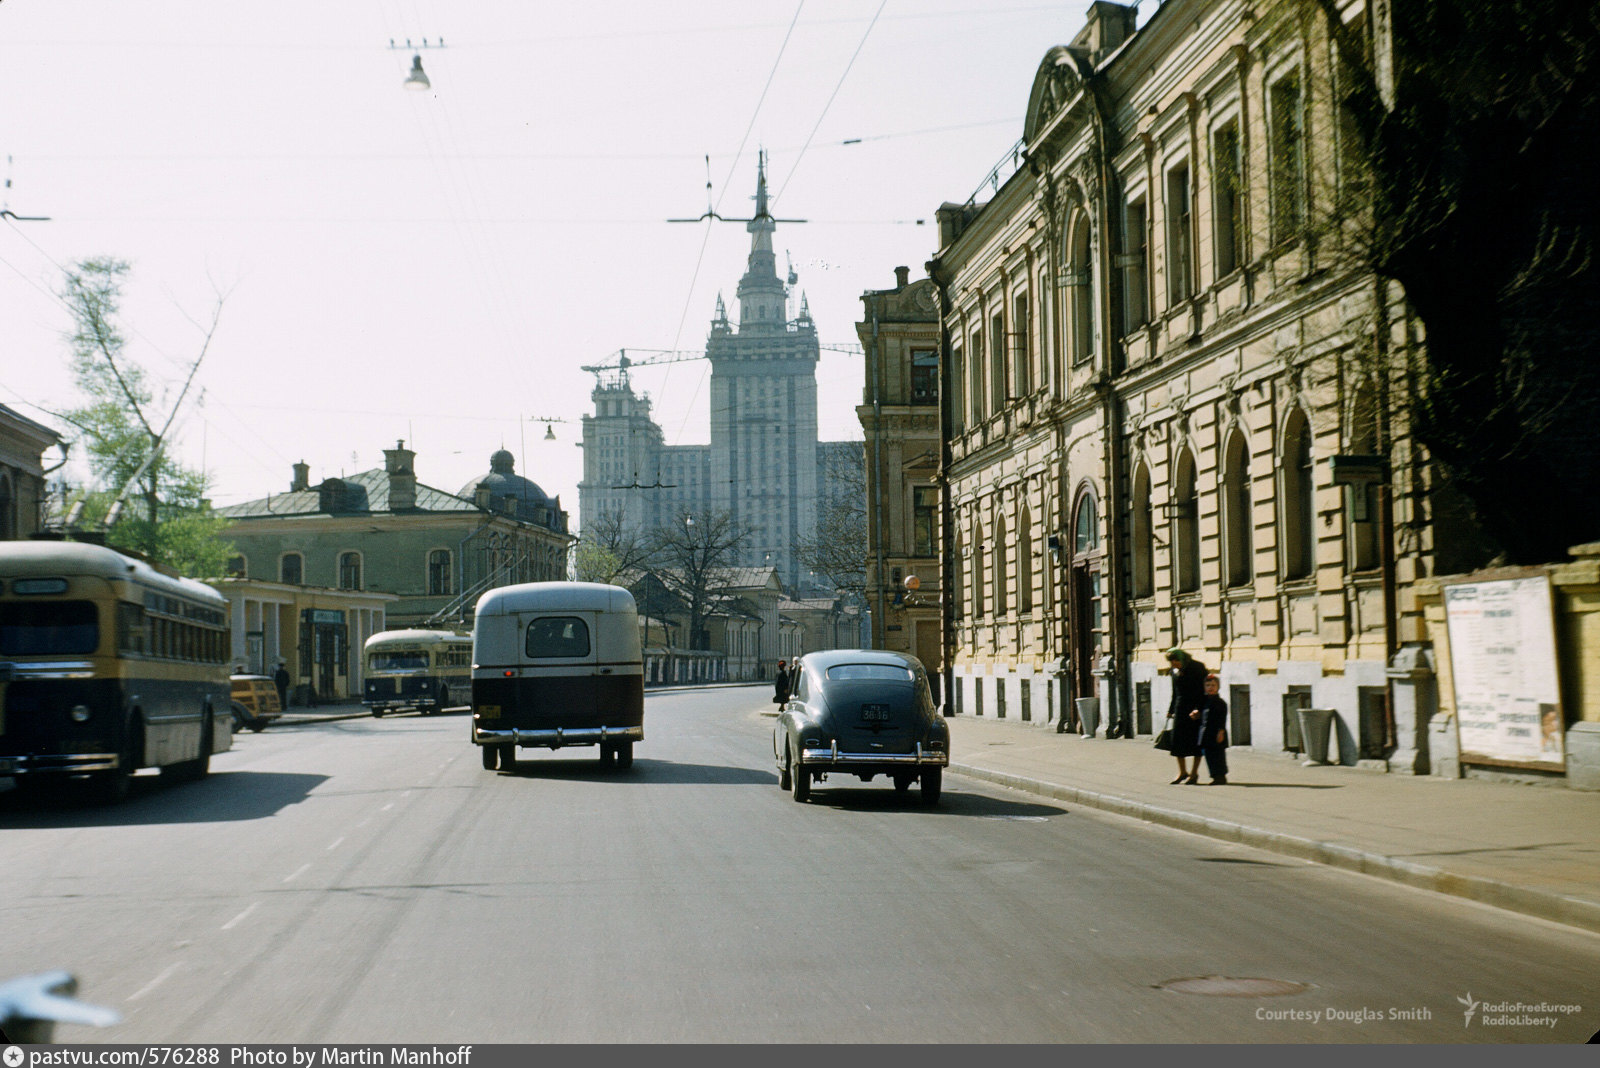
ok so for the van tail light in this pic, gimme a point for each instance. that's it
(509, 674)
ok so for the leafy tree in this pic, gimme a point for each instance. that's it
(694, 554)
(128, 442)
(608, 549)
(1471, 128)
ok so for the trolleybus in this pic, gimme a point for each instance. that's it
(426, 670)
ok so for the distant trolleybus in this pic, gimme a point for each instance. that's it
(417, 669)
(107, 665)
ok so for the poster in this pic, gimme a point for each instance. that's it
(1503, 663)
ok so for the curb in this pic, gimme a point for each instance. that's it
(1538, 903)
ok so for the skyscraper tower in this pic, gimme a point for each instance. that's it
(764, 407)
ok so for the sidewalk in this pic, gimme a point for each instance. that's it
(1529, 848)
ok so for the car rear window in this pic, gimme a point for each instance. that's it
(557, 636)
(880, 672)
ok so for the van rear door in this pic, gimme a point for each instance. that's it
(559, 682)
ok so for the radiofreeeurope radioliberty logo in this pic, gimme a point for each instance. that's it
(1514, 1013)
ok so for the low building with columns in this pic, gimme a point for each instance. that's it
(1169, 406)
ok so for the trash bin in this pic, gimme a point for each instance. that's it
(1315, 724)
(1089, 715)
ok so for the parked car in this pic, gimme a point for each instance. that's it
(864, 713)
(254, 699)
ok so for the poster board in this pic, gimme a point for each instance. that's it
(1503, 664)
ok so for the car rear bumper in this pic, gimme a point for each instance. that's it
(834, 757)
(557, 737)
(58, 764)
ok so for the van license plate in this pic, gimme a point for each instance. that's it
(875, 713)
(488, 711)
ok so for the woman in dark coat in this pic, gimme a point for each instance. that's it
(1188, 696)
(781, 685)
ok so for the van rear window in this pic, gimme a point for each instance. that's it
(558, 636)
(48, 628)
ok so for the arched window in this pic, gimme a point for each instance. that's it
(439, 572)
(291, 569)
(1000, 546)
(1025, 563)
(1086, 527)
(350, 571)
(1237, 516)
(1081, 277)
(1299, 535)
(1144, 557)
(1186, 526)
(1364, 502)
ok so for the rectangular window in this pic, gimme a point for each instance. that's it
(924, 519)
(1227, 173)
(1021, 346)
(978, 392)
(958, 386)
(924, 376)
(997, 362)
(1286, 153)
(53, 628)
(1135, 284)
(1180, 243)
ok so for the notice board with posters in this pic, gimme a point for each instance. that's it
(1503, 664)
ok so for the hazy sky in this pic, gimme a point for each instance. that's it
(438, 266)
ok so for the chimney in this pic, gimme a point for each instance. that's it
(483, 496)
(302, 477)
(902, 277)
(1108, 26)
(402, 477)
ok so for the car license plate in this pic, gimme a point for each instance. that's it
(875, 713)
(488, 711)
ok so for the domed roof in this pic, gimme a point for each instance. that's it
(502, 482)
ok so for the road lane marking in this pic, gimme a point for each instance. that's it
(239, 918)
(336, 843)
(301, 870)
(387, 807)
(152, 984)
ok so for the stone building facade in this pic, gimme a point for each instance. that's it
(384, 531)
(899, 414)
(22, 474)
(1168, 400)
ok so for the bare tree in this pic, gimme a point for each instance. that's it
(837, 548)
(694, 554)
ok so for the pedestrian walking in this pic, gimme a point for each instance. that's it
(1214, 733)
(1188, 694)
(781, 684)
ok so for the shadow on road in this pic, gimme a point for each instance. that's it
(875, 798)
(588, 769)
(221, 797)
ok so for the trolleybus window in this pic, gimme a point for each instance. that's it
(416, 661)
(558, 636)
(29, 628)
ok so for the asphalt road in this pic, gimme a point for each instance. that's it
(368, 881)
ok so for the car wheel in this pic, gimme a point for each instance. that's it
(377, 713)
(242, 718)
(932, 781)
(624, 756)
(443, 702)
(784, 777)
(902, 783)
(608, 755)
(112, 786)
(800, 784)
(491, 756)
(508, 757)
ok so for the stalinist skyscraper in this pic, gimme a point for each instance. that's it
(764, 461)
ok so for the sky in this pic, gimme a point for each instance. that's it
(439, 266)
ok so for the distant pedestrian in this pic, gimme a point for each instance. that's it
(782, 684)
(1188, 693)
(280, 679)
(1214, 732)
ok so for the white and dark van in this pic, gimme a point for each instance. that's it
(557, 664)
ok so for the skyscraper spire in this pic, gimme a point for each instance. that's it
(761, 292)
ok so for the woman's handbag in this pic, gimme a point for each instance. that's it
(1164, 739)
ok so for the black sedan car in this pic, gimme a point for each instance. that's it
(864, 713)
